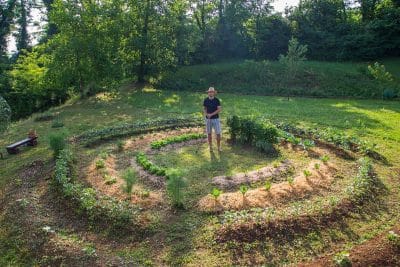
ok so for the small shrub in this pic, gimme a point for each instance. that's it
(175, 186)
(100, 164)
(234, 126)
(130, 178)
(57, 142)
(267, 185)
(342, 259)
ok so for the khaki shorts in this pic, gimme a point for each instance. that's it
(213, 123)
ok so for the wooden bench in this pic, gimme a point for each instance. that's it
(13, 149)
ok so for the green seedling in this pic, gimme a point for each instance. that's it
(317, 166)
(290, 180)
(342, 259)
(394, 238)
(325, 159)
(267, 185)
(243, 189)
(100, 164)
(307, 173)
(130, 177)
(216, 193)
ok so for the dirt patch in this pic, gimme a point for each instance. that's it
(375, 252)
(263, 174)
(280, 193)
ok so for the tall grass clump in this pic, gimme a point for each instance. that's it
(130, 178)
(58, 142)
(175, 186)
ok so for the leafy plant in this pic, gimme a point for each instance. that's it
(215, 192)
(175, 139)
(100, 164)
(325, 159)
(394, 238)
(130, 178)
(175, 186)
(267, 185)
(307, 173)
(317, 166)
(307, 144)
(243, 189)
(342, 259)
(57, 142)
(109, 180)
(143, 161)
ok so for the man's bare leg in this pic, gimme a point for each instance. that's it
(210, 141)
(219, 142)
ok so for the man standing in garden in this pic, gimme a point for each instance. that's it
(212, 108)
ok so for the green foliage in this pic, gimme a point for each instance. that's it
(394, 238)
(5, 114)
(290, 180)
(307, 173)
(175, 186)
(57, 142)
(342, 259)
(267, 185)
(325, 159)
(100, 164)
(243, 189)
(143, 161)
(378, 72)
(248, 130)
(98, 208)
(175, 139)
(215, 192)
(317, 166)
(130, 178)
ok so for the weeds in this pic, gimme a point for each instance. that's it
(100, 164)
(342, 259)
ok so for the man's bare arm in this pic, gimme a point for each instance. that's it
(219, 108)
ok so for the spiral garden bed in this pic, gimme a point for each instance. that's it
(273, 182)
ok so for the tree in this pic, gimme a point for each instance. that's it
(295, 55)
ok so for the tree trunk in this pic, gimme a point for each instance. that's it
(143, 49)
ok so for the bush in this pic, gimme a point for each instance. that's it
(57, 142)
(248, 130)
(130, 178)
(5, 114)
(175, 186)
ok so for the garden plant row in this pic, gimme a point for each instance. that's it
(135, 128)
(176, 139)
(300, 216)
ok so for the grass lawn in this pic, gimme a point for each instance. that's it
(188, 237)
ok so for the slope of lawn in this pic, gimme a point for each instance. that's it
(373, 120)
(314, 78)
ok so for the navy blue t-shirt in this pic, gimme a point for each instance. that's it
(211, 106)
